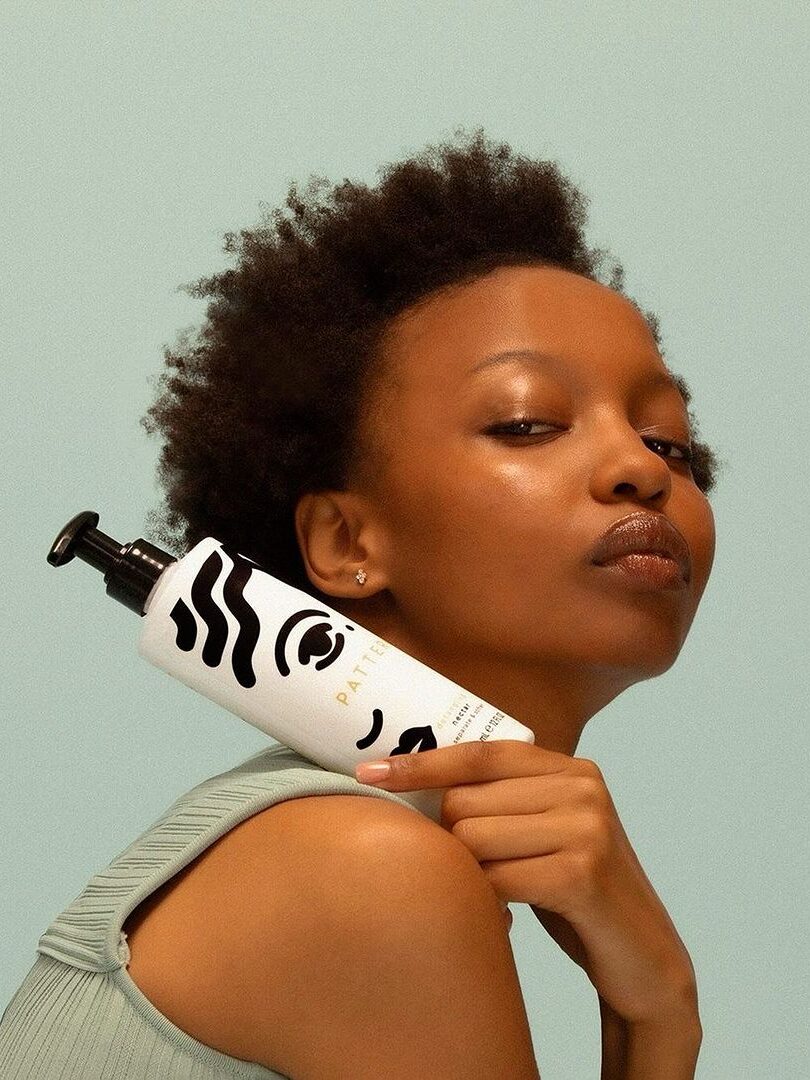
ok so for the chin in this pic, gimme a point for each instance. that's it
(650, 666)
(635, 657)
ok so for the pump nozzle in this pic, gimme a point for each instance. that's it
(130, 570)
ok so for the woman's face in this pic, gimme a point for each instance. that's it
(488, 534)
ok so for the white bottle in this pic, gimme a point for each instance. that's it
(298, 670)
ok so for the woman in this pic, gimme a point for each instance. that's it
(420, 404)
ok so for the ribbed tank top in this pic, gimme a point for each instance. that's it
(78, 1015)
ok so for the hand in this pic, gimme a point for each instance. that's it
(544, 829)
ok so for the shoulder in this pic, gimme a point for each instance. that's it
(348, 928)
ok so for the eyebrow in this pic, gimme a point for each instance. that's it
(656, 378)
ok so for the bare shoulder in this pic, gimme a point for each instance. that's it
(345, 929)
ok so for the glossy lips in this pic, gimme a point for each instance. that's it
(642, 532)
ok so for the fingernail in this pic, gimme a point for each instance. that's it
(371, 771)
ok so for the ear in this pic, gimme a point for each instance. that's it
(337, 535)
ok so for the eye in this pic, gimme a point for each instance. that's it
(508, 429)
(521, 421)
(684, 452)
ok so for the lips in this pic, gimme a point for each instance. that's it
(643, 532)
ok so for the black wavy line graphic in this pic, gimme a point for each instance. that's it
(206, 607)
(374, 733)
(315, 641)
(186, 624)
(203, 601)
(249, 626)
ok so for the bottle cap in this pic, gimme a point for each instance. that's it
(130, 570)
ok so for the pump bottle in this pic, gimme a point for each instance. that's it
(293, 667)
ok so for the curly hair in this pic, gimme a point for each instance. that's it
(265, 400)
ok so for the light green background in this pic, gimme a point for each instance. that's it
(135, 135)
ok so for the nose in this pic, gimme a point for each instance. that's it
(625, 467)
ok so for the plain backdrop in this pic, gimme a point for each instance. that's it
(135, 135)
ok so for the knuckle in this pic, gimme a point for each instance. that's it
(593, 830)
(486, 752)
(493, 872)
(592, 790)
(582, 869)
(495, 875)
(462, 830)
(403, 764)
(450, 804)
(591, 769)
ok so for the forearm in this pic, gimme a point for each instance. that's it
(666, 1049)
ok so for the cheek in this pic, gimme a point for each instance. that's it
(698, 526)
(483, 519)
(484, 550)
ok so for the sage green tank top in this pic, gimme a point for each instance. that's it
(78, 1015)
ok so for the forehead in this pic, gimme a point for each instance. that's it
(591, 328)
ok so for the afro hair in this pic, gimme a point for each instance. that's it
(263, 402)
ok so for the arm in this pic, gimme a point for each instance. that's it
(666, 1049)
(664, 1045)
(382, 952)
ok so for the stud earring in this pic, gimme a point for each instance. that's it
(361, 577)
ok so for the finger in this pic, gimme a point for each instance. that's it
(521, 836)
(467, 762)
(515, 795)
(542, 880)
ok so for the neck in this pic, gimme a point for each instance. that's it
(554, 700)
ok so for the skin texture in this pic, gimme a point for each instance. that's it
(476, 545)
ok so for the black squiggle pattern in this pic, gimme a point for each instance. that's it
(315, 641)
(206, 607)
(249, 626)
(183, 618)
(202, 599)
(374, 733)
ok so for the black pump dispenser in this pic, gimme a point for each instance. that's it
(130, 570)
